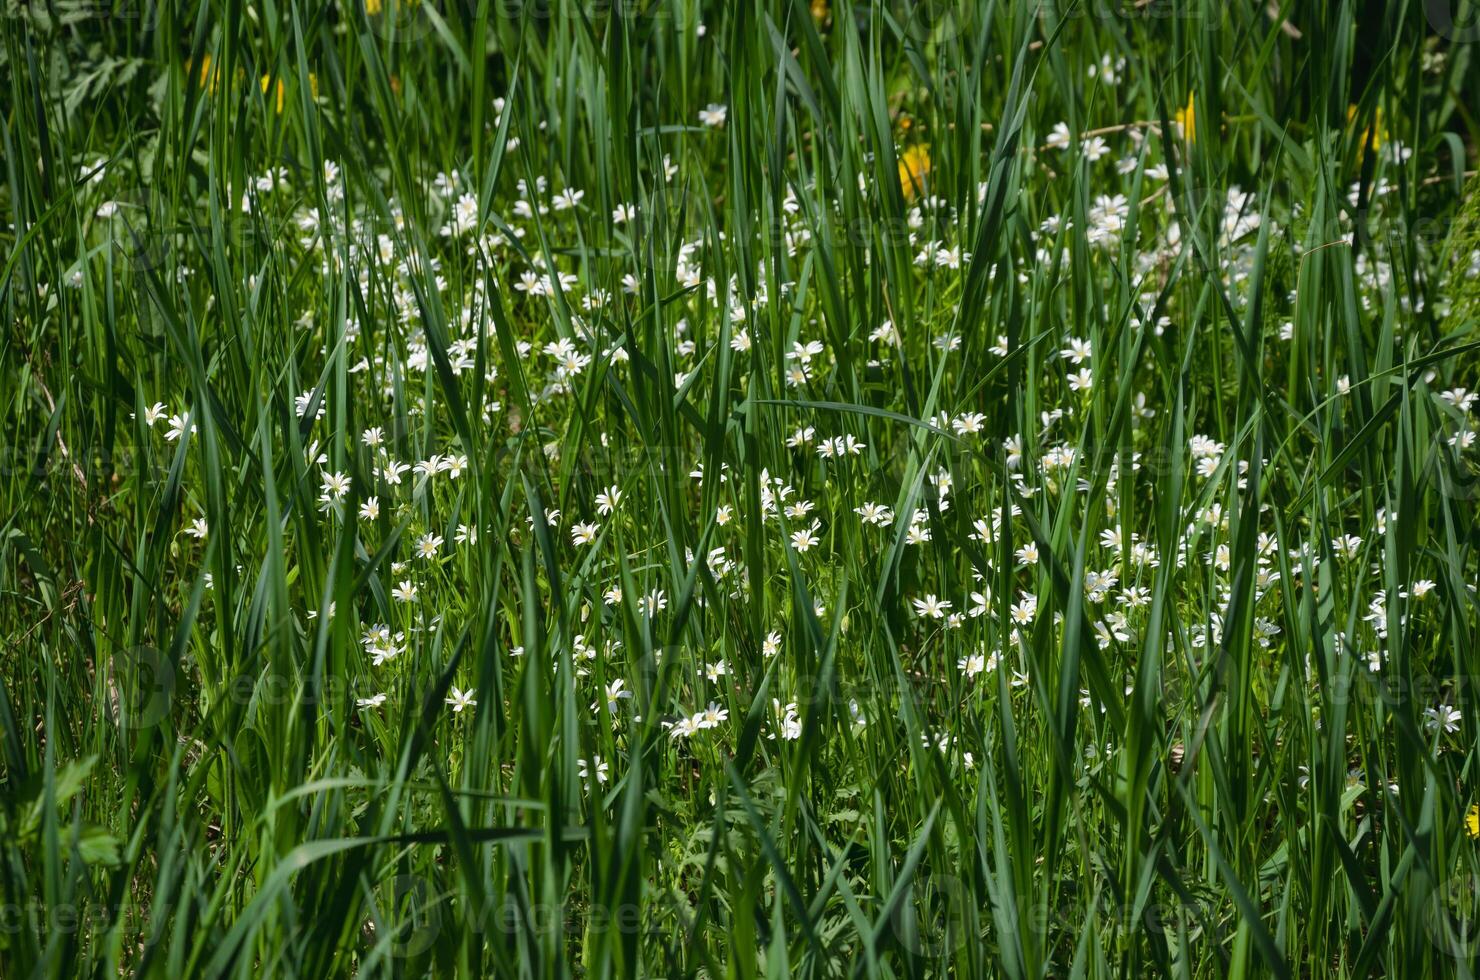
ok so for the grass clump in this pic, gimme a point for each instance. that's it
(737, 489)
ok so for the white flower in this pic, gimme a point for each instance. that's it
(391, 472)
(178, 426)
(654, 602)
(370, 509)
(583, 533)
(1444, 716)
(303, 402)
(464, 217)
(336, 485)
(931, 606)
(1024, 611)
(974, 663)
(968, 424)
(1077, 351)
(607, 502)
(597, 766)
(460, 699)
(885, 333)
(405, 592)
(615, 693)
(154, 413)
(804, 540)
(683, 728)
(373, 701)
(713, 114)
(711, 716)
(1460, 398)
(552, 518)
(791, 725)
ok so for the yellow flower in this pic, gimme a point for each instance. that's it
(1375, 131)
(1186, 119)
(914, 169)
(1472, 821)
(313, 84)
(373, 7)
(266, 81)
(819, 10)
(207, 76)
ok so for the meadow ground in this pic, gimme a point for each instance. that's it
(753, 488)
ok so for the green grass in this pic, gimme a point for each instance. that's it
(1179, 405)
